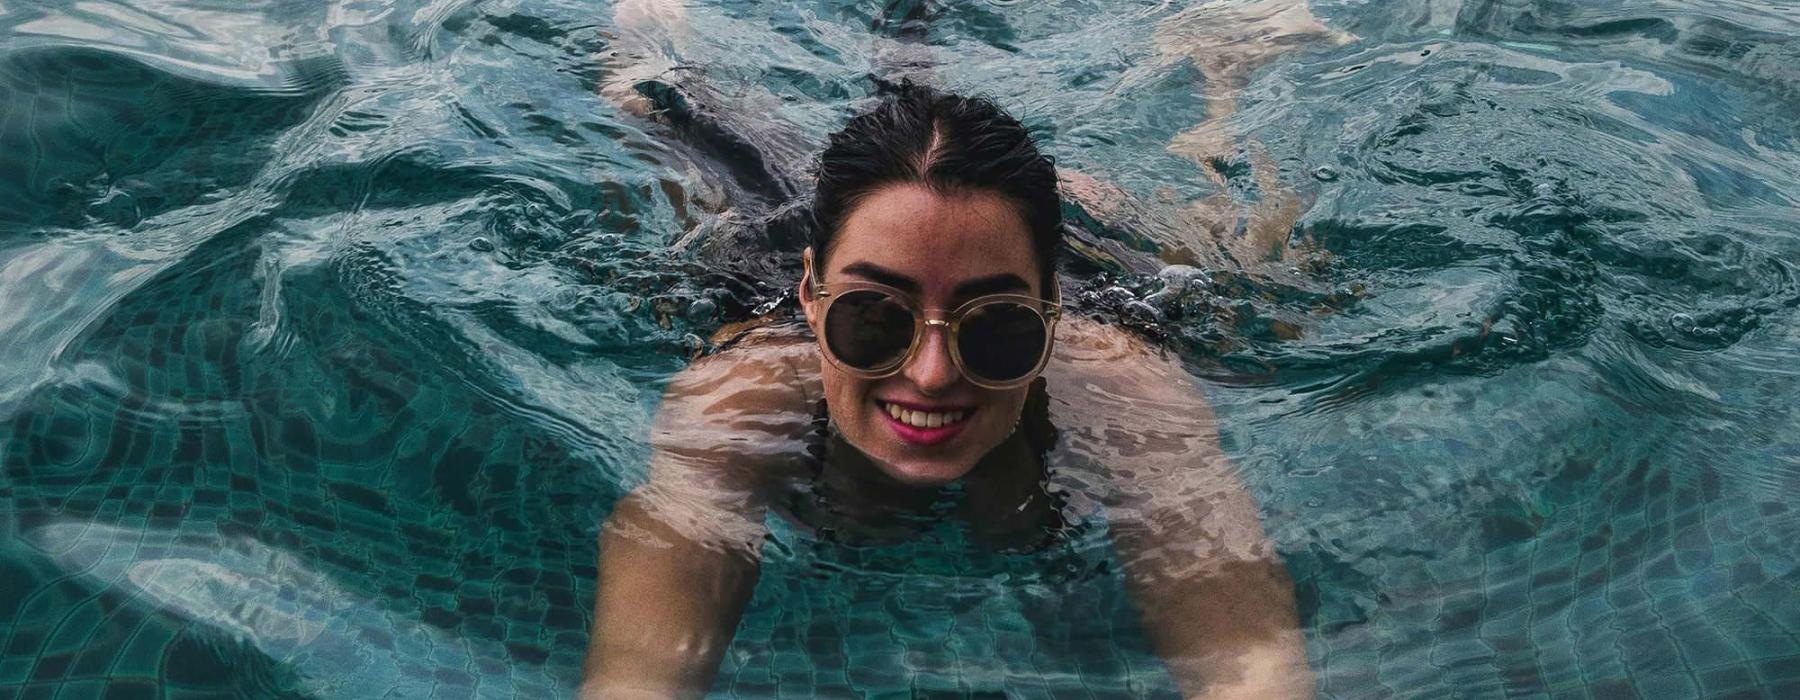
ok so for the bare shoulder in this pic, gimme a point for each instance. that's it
(743, 410)
(1101, 366)
(1136, 422)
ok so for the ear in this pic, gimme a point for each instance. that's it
(806, 285)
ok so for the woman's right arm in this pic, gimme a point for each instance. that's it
(679, 555)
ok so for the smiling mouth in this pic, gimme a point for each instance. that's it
(924, 427)
(922, 419)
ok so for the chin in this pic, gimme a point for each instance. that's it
(916, 472)
(927, 455)
(925, 464)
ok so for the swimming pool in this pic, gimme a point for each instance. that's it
(330, 332)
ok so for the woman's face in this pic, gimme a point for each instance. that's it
(945, 249)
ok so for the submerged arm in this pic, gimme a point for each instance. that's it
(1228, 42)
(649, 37)
(1215, 599)
(679, 556)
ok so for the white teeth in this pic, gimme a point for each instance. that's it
(922, 419)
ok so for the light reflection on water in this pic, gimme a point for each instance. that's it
(329, 325)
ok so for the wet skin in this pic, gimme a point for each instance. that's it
(945, 249)
(679, 556)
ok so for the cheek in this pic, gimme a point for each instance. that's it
(841, 390)
(1004, 408)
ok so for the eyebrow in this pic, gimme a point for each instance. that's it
(980, 286)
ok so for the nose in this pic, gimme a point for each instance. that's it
(931, 369)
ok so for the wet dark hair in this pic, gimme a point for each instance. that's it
(949, 143)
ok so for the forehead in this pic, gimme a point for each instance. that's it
(936, 239)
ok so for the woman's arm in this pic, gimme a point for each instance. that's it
(679, 556)
(1215, 599)
(665, 610)
(649, 36)
(1228, 43)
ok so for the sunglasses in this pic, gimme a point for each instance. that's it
(997, 341)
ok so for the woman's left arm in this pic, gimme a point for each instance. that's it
(1215, 599)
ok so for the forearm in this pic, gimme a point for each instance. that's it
(1216, 602)
(1279, 671)
(1225, 629)
(665, 608)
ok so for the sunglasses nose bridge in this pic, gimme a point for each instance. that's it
(932, 318)
(927, 323)
(932, 365)
(936, 318)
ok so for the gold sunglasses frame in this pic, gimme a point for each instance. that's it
(951, 322)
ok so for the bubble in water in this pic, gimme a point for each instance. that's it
(481, 244)
(1180, 277)
(769, 305)
(702, 309)
(1683, 323)
(1325, 173)
(1140, 311)
(1117, 296)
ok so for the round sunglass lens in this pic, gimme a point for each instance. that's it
(1002, 341)
(868, 330)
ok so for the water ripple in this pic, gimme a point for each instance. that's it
(331, 331)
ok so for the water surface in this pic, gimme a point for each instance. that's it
(329, 333)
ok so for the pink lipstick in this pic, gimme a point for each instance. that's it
(922, 425)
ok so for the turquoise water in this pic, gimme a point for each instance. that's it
(329, 333)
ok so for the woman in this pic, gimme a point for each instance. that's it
(933, 352)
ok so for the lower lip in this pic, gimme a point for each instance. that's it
(925, 436)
